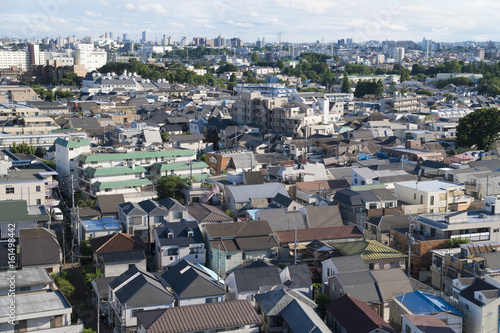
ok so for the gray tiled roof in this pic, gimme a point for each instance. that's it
(359, 285)
(280, 220)
(189, 281)
(244, 193)
(256, 278)
(180, 231)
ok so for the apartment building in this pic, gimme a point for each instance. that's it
(23, 180)
(253, 108)
(435, 196)
(91, 58)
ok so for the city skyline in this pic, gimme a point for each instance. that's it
(297, 21)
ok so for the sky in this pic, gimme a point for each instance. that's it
(296, 20)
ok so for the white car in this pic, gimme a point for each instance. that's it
(57, 214)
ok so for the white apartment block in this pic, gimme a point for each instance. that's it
(67, 153)
(91, 58)
(21, 59)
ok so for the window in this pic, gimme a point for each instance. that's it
(432, 200)
(228, 257)
(334, 287)
(389, 204)
(275, 321)
(194, 250)
(38, 188)
(373, 206)
(407, 329)
(177, 215)
(173, 252)
(421, 199)
(211, 300)
(371, 266)
(414, 196)
(38, 201)
(9, 190)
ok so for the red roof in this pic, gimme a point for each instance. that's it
(117, 243)
(356, 316)
(308, 235)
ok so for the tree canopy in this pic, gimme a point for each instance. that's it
(170, 187)
(346, 84)
(480, 128)
(369, 88)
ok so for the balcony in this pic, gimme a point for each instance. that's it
(52, 184)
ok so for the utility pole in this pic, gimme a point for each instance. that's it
(295, 247)
(409, 247)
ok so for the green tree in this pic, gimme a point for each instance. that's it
(346, 84)
(64, 94)
(480, 128)
(233, 78)
(170, 187)
(455, 242)
(255, 57)
(322, 300)
(165, 136)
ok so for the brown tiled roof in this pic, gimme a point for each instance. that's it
(429, 323)
(284, 163)
(308, 235)
(200, 317)
(117, 243)
(356, 316)
(245, 243)
(238, 229)
(108, 204)
(206, 213)
(325, 185)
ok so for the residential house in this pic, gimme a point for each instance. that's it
(204, 213)
(178, 241)
(251, 196)
(21, 216)
(245, 283)
(236, 316)
(134, 219)
(287, 309)
(132, 291)
(357, 206)
(280, 220)
(423, 324)
(39, 305)
(114, 254)
(347, 314)
(375, 254)
(367, 176)
(282, 201)
(189, 141)
(176, 211)
(39, 247)
(108, 205)
(23, 180)
(422, 303)
(360, 285)
(479, 301)
(229, 245)
(322, 216)
(156, 215)
(300, 240)
(192, 284)
(390, 283)
(87, 229)
(298, 278)
(238, 160)
(435, 196)
(339, 265)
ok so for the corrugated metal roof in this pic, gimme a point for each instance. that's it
(135, 155)
(308, 235)
(244, 193)
(368, 250)
(200, 317)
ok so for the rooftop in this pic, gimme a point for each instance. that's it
(430, 186)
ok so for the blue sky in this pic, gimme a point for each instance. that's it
(297, 20)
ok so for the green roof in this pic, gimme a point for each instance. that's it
(135, 155)
(17, 211)
(179, 166)
(368, 250)
(122, 184)
(76, 143)
(96, 172)
(198, 177)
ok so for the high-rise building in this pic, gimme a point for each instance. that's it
(144, 36)
(126, 37)
(219, 41)
(110, 35)
(399, 54)
(236, 42)
(92, 59)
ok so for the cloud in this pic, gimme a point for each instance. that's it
(240, 24)
(92, 14)
(317, 7)
(154, 8)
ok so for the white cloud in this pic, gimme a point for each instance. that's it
(317, 7)
(153, 8)
(240, 24)
(92, 14)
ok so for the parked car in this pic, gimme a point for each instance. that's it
(57, 214)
